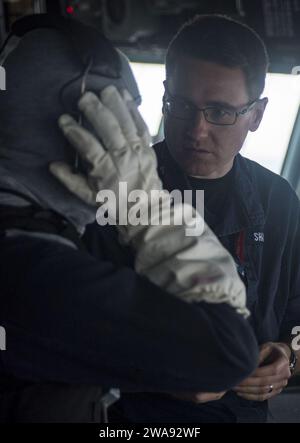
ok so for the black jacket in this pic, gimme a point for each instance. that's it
(260, 226)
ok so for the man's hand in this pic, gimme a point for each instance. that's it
(270, 377)
(200, 397)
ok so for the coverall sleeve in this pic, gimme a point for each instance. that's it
(74, 319)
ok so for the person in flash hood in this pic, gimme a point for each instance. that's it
(79, 319)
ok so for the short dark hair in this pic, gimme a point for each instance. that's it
(222, 40)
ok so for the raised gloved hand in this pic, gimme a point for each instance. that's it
(125, 149)
(195, 267)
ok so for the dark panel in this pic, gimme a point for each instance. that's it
(143, 28)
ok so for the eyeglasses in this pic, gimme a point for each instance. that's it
(216, 115)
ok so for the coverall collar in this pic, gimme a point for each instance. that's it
(245, 209)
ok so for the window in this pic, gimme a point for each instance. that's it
(268, 145)
(150, 79)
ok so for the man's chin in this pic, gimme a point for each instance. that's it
(198, 170)
(194, 164)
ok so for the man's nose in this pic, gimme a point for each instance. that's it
(198, 126)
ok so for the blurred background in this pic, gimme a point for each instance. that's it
(142, 29)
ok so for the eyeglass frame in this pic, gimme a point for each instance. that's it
(245, 109)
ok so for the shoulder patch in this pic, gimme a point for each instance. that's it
(259, 237)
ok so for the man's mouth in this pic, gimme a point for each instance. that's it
(196, 150)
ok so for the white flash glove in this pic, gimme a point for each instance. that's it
(195, 268)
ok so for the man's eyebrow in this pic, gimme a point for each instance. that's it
(215, 103)
(221, 104)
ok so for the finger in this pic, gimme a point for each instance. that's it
(208, 396)
(261, 389)
(257, 390)
(199, 397)
(280, 366)
(83, 141)
(142, 128)
(260, 397)
(75, 183)
(262, 381)
(206, 399)
(265, 351)
(112, 99)
(104, 123)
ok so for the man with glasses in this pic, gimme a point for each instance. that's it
(215, 75)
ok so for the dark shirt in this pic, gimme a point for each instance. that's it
(216, 195)
(217, 198)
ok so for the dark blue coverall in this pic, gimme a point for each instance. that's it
(256, 216)
(81, 321)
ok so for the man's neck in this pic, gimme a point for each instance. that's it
(217, 173)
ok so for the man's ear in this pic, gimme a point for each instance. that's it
(164, 97)
(258, 113)
(163, 104)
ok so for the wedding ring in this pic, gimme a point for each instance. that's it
(270, 388)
